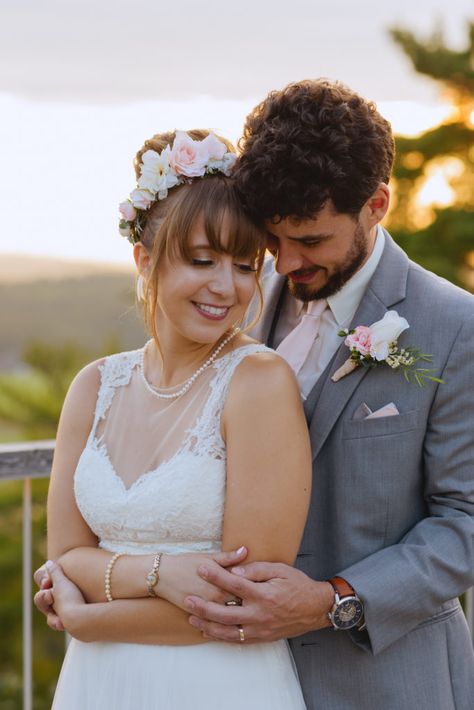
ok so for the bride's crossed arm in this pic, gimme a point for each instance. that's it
(267, 495)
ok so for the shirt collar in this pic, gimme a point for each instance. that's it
(345, 302)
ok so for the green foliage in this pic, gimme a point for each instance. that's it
(452, 139)
(442, 246)
(32, 402)
(440, 239)
(434, 59)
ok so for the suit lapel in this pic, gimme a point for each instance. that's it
(327, 399)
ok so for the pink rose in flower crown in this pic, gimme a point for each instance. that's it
(141, 199)
(127, 210)
(360, 339)
(187, 156)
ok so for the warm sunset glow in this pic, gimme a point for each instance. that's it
(413, 160)
(410, 118)
(436, 190)
(469, 259)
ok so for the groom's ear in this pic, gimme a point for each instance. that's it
(377, 205)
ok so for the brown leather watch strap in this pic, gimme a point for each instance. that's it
(342, 587)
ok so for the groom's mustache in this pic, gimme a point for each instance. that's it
(302, 274)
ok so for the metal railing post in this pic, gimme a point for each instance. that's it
(27, 615)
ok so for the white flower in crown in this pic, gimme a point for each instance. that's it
(155, 174)
(141, 199)
(228, 162)
(376, 344)
(125, 230)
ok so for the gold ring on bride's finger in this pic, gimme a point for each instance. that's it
(241, 634)
(234, 602)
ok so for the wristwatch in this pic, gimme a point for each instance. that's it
(348, 610)
(153, 576)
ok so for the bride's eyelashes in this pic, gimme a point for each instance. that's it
(202, 262)
(244, 268)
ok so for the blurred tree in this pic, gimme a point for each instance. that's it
(30, 403)
(432, 215)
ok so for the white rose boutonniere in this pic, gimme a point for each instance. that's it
(377, 344)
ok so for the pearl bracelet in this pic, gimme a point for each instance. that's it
(108, 574)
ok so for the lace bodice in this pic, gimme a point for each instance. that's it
(174, 501)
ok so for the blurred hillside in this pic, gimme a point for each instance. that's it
(59, 302)
(26, 267)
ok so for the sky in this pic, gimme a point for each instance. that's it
(83, 83)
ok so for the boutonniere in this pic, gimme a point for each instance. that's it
(376, 344)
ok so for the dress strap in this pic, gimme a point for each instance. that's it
(205, 437)
(115, 371)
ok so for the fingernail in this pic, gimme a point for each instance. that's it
(238, 570)
(241, 550)
(203, 571)
(194, 622)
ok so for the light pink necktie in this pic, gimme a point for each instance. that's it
(297, 344)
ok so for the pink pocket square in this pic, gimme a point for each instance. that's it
(389, 410)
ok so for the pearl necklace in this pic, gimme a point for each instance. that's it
(189, 382)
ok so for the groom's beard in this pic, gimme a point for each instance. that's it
(355, 257)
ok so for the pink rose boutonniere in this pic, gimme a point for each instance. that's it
(377, 344)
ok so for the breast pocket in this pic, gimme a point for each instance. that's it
(379, 477)
(381, 426)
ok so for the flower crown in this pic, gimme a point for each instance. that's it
(176, 165)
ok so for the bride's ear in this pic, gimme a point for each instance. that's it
(142, 258)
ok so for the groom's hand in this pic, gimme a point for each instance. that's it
(278, 601)
(179, 577)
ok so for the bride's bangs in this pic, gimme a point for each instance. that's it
(227, 228)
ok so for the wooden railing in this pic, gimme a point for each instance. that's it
(25, 462)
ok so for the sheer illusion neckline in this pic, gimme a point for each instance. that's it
(192, 427)
(156, 390)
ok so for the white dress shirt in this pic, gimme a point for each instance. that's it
(342, 307)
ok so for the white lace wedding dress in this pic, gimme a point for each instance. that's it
(152, 478)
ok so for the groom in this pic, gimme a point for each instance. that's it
(372, 607)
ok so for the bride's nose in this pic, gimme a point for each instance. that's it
(222, 281)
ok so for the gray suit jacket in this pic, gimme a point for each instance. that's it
(392, 506)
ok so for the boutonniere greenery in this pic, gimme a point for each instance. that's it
(376, 344)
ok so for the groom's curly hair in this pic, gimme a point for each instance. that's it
(311, 142)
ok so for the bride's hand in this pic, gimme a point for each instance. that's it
(179, 577)
(66, 599)
(44, 598)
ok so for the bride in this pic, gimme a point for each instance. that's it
(170, 457)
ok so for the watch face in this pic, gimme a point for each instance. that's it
(348, 613)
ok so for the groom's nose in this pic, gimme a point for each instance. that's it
(288, 258)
